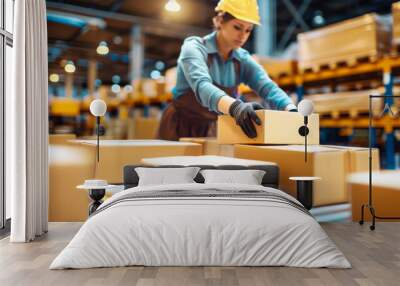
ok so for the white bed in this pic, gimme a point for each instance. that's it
(185, 230)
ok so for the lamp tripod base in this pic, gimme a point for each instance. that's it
(374, 216)
(372, 211)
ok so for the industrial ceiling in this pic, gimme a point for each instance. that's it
(76, 27)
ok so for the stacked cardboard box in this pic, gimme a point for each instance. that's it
(74, 161)
(332, 163)
(348, 102)
(278, 127)
(115, 154)
(396, 23)
(69, 166)
(367, 36)
(211, 146)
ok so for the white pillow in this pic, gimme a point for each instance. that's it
(248, 177)
(166, 176)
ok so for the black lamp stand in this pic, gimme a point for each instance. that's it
(303, 131)
(370, 204)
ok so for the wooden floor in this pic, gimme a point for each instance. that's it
(375, 257)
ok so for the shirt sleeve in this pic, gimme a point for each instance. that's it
(193, 59)
(255, 76)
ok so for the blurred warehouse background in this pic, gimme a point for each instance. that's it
(333, 52)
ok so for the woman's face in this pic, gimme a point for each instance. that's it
(235, 32)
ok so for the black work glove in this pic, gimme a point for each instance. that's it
(244, 114)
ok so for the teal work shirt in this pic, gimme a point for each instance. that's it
(193, 73)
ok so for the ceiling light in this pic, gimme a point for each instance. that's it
(116, 79)
(160, 65)
(155, 74)
(116, 88)
(172, 6)
(318, 19)
(54, 77)
(117, 40)
(70, 67)
(102, 48)
(128, 88)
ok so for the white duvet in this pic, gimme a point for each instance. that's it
(200, 231)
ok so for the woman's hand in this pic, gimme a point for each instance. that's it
(244, 114)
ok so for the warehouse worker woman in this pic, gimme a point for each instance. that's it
(209, 71)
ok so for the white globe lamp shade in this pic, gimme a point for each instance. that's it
(305, 107)
(98, 107)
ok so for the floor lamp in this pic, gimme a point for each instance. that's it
(370, 204)
(306, 108)
(98, 108)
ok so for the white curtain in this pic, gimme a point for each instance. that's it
(27, 123)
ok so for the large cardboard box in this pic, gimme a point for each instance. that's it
(362, 37)
(278, 127)
(211, 146)
(73, 162)
(115, 154)
(386, 194)
(69, 166)
(328, 162)
(358, 158)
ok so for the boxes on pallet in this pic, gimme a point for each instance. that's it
(331, 163)
(211, 146)
(367, 36)
(348, 102)
(278, 127)
(276, 67)
(396, 23)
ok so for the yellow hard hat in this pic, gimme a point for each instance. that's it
(246, 10)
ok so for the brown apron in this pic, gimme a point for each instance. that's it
(186, 117)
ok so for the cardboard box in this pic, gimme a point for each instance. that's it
(328, 162)
(358, 158)
(146, 127)
(115, 154)
(69, 166)
(348, 102)
(367, 36)
(278, 127)
(60, 138)
(211, 146)
(396, 23)
(386, 194)
(64, 106)
(71, 163)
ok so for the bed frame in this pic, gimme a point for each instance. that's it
(270, 179)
